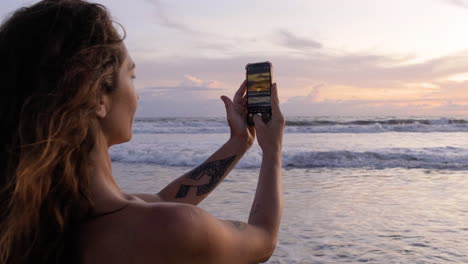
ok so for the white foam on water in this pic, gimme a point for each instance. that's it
(429, 158)
(306, 125)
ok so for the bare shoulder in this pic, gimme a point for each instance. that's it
(171, 233)
(143, 233)
(184, 233)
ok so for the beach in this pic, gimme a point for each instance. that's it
(372, 190)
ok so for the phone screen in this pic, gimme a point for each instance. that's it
(258, 90)
(259, 87)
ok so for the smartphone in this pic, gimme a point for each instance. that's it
(259, 80)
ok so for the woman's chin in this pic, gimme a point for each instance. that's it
(127, 138)
(123, 139)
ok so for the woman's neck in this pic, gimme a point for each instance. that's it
(104, 190)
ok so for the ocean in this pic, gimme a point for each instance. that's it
(356, 189)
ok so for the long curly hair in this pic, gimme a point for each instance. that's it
(58, 58)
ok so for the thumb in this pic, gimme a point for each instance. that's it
(227, 103)
(257, 119)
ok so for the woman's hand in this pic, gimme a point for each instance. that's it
(236, 112)
(270, 135)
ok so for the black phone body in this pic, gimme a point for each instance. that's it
(259, 80)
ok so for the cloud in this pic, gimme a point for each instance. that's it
(459, 3)
(358, 70)
(191, 97)
(189, 84)
(302, 107)
(192, 80)
(314, 95)
(290, 40)
(178, 101)
(165, 20)
(159, 89)
(337, 83)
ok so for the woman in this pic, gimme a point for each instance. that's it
(67, 97)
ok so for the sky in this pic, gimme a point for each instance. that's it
(330, 58)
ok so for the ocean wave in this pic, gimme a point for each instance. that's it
(448, 158)
(304, 125)
(441, 121)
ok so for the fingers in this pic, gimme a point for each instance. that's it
(244, 100)
(240, 109)
(240, 92)
(227, 103)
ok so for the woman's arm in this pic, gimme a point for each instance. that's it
(267, 207)
(196, 184)
(193, 235)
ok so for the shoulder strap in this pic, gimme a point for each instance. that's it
(91, 217)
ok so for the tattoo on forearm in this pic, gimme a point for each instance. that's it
(214, 169)
(183, 190)
(238, 225)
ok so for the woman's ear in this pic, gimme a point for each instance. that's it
(103, 106)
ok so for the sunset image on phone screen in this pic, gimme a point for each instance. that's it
(258, 82)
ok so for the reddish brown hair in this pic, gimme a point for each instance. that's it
(58, 56)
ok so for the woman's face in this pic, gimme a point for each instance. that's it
(121, 105)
